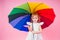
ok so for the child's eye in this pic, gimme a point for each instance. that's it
(35, 18)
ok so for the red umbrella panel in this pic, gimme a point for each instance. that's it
(47, 16)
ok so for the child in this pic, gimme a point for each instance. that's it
(34, 28)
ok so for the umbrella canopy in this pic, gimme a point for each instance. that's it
(22, 14)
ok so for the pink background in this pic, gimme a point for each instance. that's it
(7, 32)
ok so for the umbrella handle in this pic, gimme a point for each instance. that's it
(32, 29)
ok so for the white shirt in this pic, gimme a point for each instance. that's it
(35, 25)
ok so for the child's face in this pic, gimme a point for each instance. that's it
(35, 18)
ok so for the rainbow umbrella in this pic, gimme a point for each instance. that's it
(21, 14)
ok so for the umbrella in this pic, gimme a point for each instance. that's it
(22, 14)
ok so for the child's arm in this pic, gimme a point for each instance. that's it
(30, 28)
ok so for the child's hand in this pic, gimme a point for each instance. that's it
(34, 32)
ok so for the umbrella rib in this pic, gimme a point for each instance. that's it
(21, 20)
(47, 19)
(36, 7)
(46, 23)
(29, 6)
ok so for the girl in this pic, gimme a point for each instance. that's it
(34, 28)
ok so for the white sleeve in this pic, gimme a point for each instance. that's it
(28, 23)
(41, 23)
